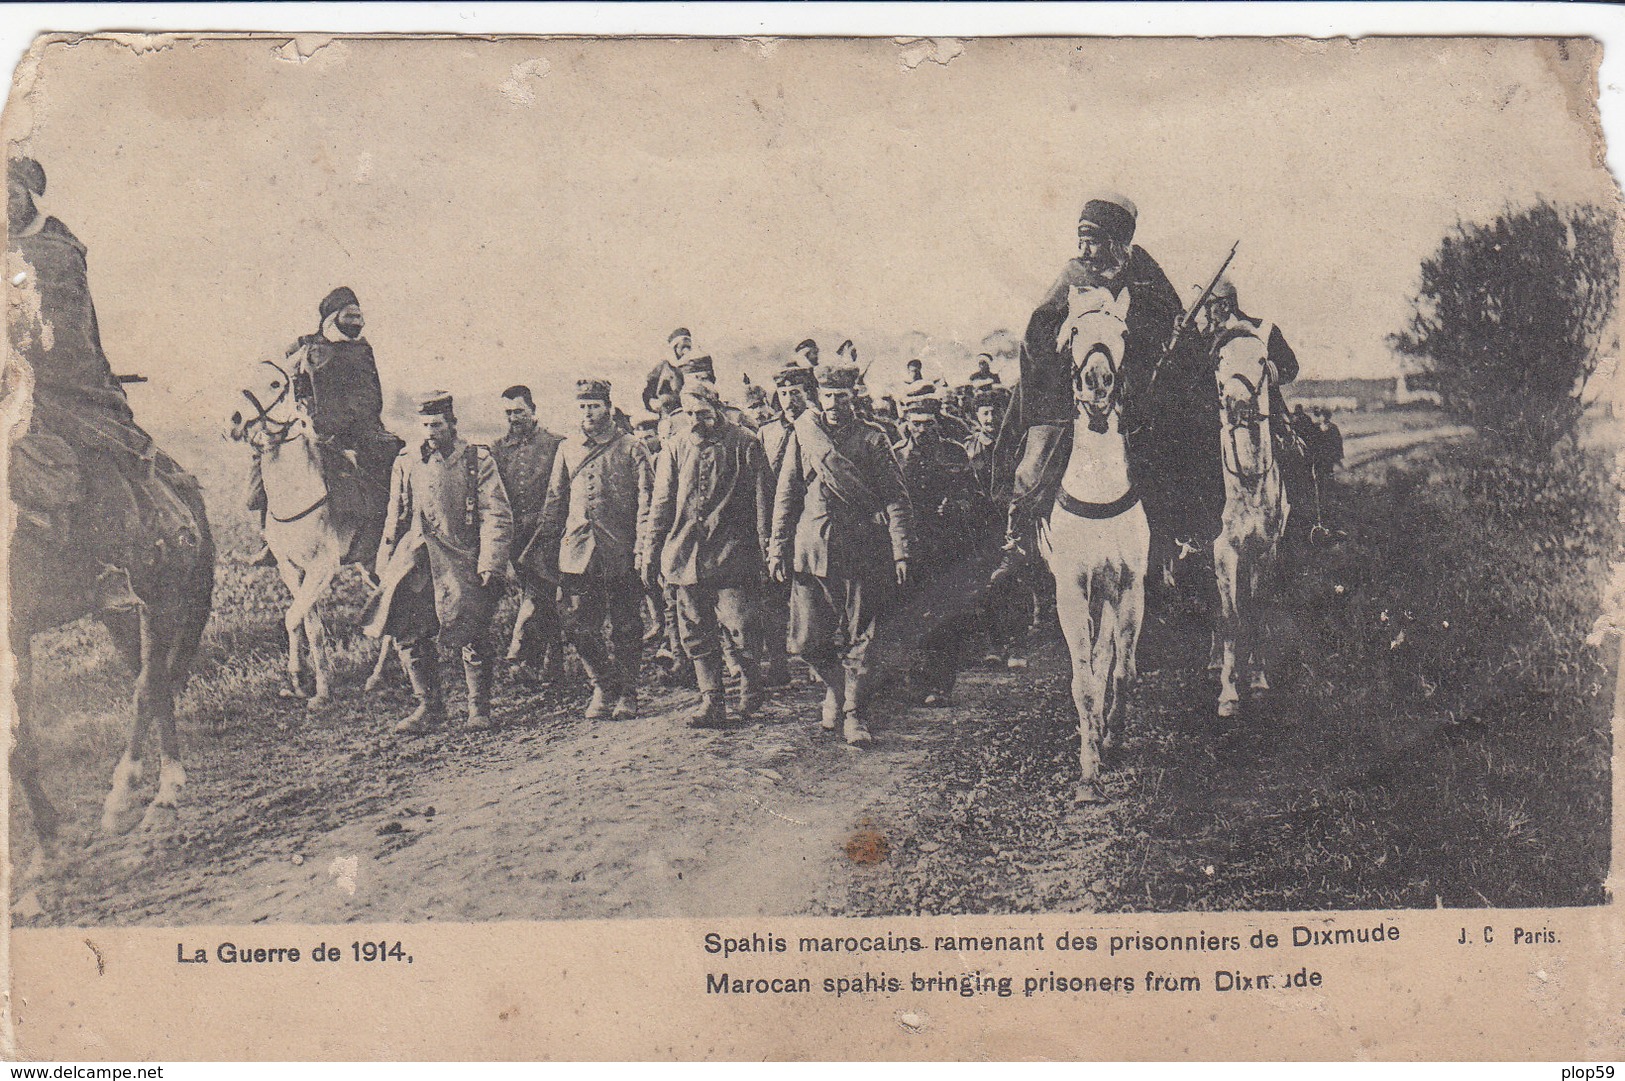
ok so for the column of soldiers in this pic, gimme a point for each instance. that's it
(785, 528)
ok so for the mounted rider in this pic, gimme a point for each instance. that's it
(83, 450)
(1162, 416)
(335, 378)
(1222, 321)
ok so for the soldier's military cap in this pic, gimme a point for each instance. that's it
(923, 407)
(338, 300)
(848, 352)
(592, 390)
(755, 395)
(1112, 214)
(701, 396)
(1225, 290)
(700, 365)
(434, 402)
(838, 376)
(680, 332)
(922, 390)
(984, 398)
(808, 349)
(795, 375)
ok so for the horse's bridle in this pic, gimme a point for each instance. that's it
(1097, 421)
(1247, 413)
(277, 431)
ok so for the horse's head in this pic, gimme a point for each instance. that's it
(1243, 373)
(1095, 335)
(272, 413)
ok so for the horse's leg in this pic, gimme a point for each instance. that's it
(116, 809)
(318, 580)
(386, 647)
(1257, 629)
(161, 811)
(1072, 609)
(1226, 574)
(293, 624)
(25, 764)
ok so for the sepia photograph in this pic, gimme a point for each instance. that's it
(542, 479)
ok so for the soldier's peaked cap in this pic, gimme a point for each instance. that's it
(795, 375)
(923, 407)
(592, 390)
(434, 402)
(338, 300)
(1115, 215)
(838, 376)
(680, 332)
(700, 365)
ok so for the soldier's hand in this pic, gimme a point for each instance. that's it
(775, 568)
(902, 572)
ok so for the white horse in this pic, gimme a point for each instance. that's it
(1096, 540)
(307, 537)
(1248, 546)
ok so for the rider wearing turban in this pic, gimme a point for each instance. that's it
(1160, 437)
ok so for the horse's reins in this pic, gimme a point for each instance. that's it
(278, 434)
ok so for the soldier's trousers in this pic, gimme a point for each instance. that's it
(773, 624)
(587, 603)
(536, 626)
(711, 611)
(832, 619)
(413, 622)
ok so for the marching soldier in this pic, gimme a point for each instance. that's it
(841, 533)
(336, 377)
(941, 490)
(711, 507)
(596, 500)
(984, 433)
(793, 387)
(701, 369)
(984, 377)
(524, 458)
(446, 544)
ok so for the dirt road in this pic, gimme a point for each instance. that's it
(958, 808)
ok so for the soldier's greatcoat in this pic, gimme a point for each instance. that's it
(597, 499)
(448, 523)
(712, 507)
(816, 531)
(525, 463)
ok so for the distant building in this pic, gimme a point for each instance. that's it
(1347, 395)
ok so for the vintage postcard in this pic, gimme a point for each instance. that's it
(811, 548)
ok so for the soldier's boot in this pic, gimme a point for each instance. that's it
(422, 664)
(834, 681)
(477, 677)
(598, 707)
(711, 713)
(552, 662)
(853, 728)
(750, 687)
(626, 705)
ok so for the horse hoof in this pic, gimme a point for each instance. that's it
(1229, 710)
(317, 703)
(1088, 793)
(116, 822)
(159, 818)
(372, 684)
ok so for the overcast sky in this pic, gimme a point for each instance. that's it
(536, 210)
